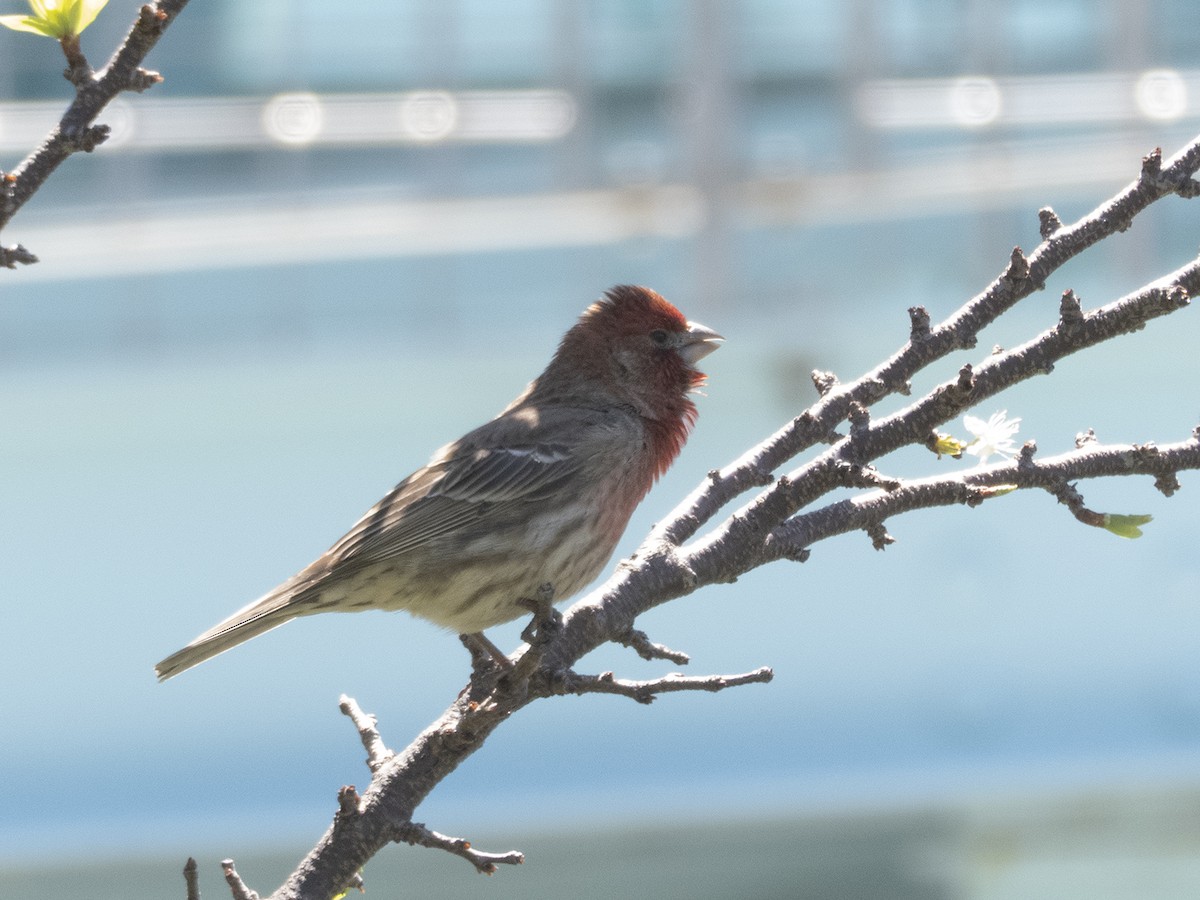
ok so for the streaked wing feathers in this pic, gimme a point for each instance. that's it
(451, 494)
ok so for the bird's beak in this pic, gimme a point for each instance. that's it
(699, 341)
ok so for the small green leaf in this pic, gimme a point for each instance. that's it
(1125, 526)
(86, 12)
(27, 23)
(56, 18)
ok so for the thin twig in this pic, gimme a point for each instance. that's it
(1022, 277)
(648, 650)
(191, 878)
(645, 691)
(1092, 460)
(10, 257)
(377, 751)
(417, 834)
(75, 131)
(757, 524)
(237, 887)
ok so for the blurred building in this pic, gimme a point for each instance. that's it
(698, 136)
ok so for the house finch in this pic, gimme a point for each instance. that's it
(538, 496)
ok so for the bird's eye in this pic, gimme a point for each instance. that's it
(659, 337)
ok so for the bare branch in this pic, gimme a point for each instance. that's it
(880, 539)
(75, 131)
(11, 256)
(645, 691)
(191, 878)
(1092, 460)
(960, 331)
(377, 752)
(417, 834)
(650, 651)
(237, 887)
(911, 425)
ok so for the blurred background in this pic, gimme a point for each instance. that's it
(339, 235)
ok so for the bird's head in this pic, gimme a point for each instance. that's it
(635, 346)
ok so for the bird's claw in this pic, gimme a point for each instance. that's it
(546, 620)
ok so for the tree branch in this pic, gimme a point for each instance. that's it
(486, 863)
(645, 691)
(975, 486)
(191, 879)
(377, 751)
(237, 887)
(75, 131)
(783, 520)
(650, 651)
(1022, 277)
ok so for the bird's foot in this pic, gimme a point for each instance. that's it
(546, 620)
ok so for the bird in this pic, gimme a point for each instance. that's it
(523, 511)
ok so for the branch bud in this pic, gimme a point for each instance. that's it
(1048, 223)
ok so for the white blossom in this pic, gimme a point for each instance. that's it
(993, 437)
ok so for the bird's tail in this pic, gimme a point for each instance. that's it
(267, 612)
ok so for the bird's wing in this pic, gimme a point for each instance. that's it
(452, 493)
